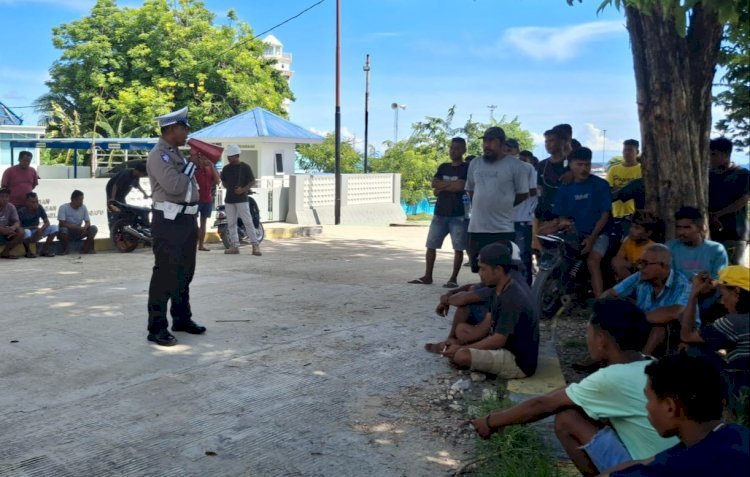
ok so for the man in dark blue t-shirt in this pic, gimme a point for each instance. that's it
(30, 215)
(449, 217)
(685, 399)
(586, 204)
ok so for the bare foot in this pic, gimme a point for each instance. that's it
(434, 347)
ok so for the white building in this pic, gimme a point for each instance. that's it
(12, 128)
(275, 51)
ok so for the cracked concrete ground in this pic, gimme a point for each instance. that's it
(311, 355)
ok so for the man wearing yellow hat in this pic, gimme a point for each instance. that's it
(174, 230)
(730, 332)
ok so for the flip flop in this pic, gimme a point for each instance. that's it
(419, 281)
(204, 249)
(450, 285)
(9, 257)
(48, 254)
(30, 255)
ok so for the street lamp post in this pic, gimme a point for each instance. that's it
(604, 144)
(395, 107)
(366, 68)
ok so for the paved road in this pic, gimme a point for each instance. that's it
(309, 352)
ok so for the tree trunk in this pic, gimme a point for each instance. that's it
(673, 77)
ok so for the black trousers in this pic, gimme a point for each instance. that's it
(479, 240)
(174, 247)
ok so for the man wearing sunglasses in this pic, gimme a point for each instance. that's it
(661, 292)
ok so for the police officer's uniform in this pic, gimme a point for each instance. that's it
(175, 235)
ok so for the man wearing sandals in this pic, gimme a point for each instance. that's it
(11, 233)
(30, 215)
(449, 218)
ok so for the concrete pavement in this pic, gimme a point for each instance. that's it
(309, 352)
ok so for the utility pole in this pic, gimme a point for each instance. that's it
(604, 144)
(492, 108)
(366, 68)
(395, 107)
(337, 165)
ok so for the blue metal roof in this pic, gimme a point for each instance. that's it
(105, 143)
(8, 117)
(256, 122)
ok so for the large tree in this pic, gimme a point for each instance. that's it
(675, 46)
(131, 64)
(735, 94)
(321, 157)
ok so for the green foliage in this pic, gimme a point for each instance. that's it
(678, 10)
(418, 157)
(735, 58)
(322, 157)
(517, 451)
(616, 161)
(131, 64)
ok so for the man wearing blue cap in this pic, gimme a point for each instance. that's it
(174, 230)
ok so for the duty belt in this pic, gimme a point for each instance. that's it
(189, 209)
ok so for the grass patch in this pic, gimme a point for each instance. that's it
(575, 343)
(517, 451)
(419, 217)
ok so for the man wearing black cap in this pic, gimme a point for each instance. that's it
(506, 341)
(585, 203)
(496, 183)
(174, 230)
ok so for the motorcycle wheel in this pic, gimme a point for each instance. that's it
(123, 241)
(260, 232)
(547, 291)
(224, 234)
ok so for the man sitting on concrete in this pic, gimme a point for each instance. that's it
(11, 233)
(661, 293)
(472, 303)
(615, 336)
(30, 215)
(685, 400)
(506, 342)
(75, 224)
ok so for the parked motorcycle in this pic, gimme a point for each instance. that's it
(221, 224)
(130, 226)
(563, 275)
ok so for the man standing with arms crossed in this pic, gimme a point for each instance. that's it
(174, 230)
(449, 218)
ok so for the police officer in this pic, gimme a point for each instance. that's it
(174, 230)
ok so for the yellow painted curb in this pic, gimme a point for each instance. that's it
(548, 377)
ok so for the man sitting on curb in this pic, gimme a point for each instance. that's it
(506, 342)
(472, 303)
(75, 224)
(661, 293)
(11, 233)
(615, 336)
(685, 400)
(30, 215)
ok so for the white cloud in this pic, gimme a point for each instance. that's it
(596, 139)
(562, 43)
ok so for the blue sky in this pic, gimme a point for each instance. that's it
(540, 60)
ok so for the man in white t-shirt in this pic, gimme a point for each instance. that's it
(523, 216)
(496, 183)
(75, 224)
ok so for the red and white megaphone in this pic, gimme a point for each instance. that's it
(207, 150)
